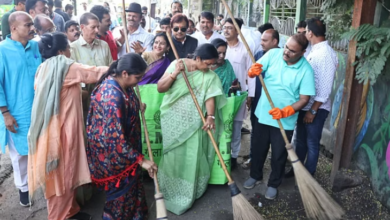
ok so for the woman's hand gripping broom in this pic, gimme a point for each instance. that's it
(242, 209)
(160, 204)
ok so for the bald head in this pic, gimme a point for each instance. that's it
(43, 24)
(269, 39)
(21, 26)
(14, 17)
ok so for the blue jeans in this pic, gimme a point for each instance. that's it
(307, 139)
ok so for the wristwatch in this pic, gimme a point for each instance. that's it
(212, 116)
(313, 112)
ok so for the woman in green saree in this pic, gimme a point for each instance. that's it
(188, 154)
(223, 68)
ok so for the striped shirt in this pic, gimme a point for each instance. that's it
(141, 35)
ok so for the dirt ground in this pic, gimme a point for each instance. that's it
(359, 203)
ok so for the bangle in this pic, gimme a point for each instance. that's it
(174, 78)
(212, 116)
(4, 112)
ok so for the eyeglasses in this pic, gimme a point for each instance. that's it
(51, 30)
(228, 28)
(183, 29)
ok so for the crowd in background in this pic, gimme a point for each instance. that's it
(70, 114)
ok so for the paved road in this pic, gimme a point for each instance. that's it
(215, 204)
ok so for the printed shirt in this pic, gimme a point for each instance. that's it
(18, 65)
(202, 39)
(141, 35)
(323, 60)
(285, 83)
(109, 39)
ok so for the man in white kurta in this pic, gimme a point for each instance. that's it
(206, 33)
(239, 58)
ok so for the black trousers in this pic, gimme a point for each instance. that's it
(263, 137)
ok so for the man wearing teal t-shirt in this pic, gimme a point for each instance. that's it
(290, 83)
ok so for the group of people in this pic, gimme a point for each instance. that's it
(70, 114)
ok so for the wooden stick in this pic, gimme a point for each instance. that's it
(199, 110)
(140, 100)
(260, 76)
(148, 141)
(125, 25)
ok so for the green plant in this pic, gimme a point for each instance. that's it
(337, 16)
(373, 49)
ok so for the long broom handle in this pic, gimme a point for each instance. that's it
(199, 110)
(140, 100)
(254, 61)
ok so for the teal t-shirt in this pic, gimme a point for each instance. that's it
(284, 83)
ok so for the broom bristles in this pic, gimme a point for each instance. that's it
(317, 202)
(243, 210)
(160, 207)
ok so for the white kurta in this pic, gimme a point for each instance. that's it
(202, 39)
(241, 62)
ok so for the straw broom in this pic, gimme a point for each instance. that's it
(161, 213)
(242, 209)
(318, 204)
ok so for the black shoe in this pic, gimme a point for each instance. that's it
(24, 199)
(233, 163)
(245, 131)
(81, 216)
(289, 173)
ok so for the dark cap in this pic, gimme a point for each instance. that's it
(134, 7)
(144, 8)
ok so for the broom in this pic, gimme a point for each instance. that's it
(242, 209)
(161, 213)
(318, 204)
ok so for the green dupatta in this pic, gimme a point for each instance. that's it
(226, 75)
(188, 154)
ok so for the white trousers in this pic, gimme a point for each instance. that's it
(19, 163)
(236, 138)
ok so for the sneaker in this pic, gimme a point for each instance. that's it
(81, 216)
(250, 183)
(271, 193)
(246, 165)
(245, 131)
(233, 163)
(24, 199)
(289, 173)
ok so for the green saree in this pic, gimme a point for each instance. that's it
(188, 154)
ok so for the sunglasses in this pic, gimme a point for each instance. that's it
(176, 29)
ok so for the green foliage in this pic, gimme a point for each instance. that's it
(337, 16)
(373, 49)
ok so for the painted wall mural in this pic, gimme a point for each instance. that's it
(372, 140)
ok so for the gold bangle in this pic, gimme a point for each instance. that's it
(174, 78)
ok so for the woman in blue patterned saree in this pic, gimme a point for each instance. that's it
(114, 140)
(188, 154)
